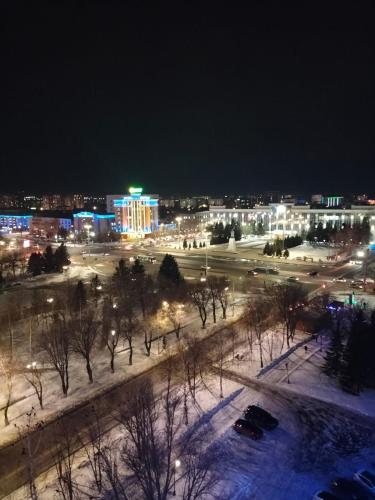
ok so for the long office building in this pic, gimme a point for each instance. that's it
(289, 218)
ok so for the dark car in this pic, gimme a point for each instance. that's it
(324, 495)
(260, 417)
(249, 429)
(348, 489)
(313, 273)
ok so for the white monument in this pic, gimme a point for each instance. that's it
(232, 243)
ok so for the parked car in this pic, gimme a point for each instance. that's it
(244, 427)
(340, 279)
(366, 479)
(313, 273)
(348, 489)
(357, 285)
(292, 279)
(260, 417)
(324, 495)
(251, 272)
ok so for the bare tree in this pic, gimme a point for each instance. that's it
(114, 484)
(7, 371)
(193, 362)
(56, 342)
(84, 334)
(174, 313)
(148, 451)
(257, 318)
(64, 457)
(222, 293)
(200, 296)
(288, 300)
(34, 376)
(31, 436)
(198, 480)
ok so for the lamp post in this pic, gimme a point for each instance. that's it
(177, 464)
(178, 220)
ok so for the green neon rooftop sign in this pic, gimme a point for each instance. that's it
(135, 190)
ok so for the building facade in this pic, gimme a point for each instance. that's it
(136, 215)
(48, 225)
(14, 222)
(100, 224)
(289, 219)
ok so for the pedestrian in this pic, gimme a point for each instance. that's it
(306, 349)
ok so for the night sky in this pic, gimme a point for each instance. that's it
(181, 99)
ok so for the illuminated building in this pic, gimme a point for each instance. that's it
(47, 224)
(14, 221)
(136, 215)
(278, 218)
(100, 224)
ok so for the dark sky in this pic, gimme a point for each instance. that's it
(98, 95)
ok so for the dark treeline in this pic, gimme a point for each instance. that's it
(48, 261)
(340, 233)
(350, 356)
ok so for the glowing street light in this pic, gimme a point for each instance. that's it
(178, 220)
(50, 300)
(177, 464)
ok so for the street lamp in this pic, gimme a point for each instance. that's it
(177, 464)
(178, 220)
(87, 227)
(50, 300)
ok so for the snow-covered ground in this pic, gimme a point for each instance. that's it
(312, 444)
(323, 431)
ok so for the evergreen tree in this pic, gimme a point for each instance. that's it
(169, 273)
(79, 299)
(253, 227)
(227, 232)
(333, 358)
(237, 230)
(35, 264)
(352, 375)
(266, 249)
(286, 253)
(49, 260)
(137, 268)
(62, 233)
(200, 244)
(195, 243)
(184, 244)
(260, 229)
(61, 258)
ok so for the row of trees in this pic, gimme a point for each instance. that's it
(358, 233)
(84, 321)
(349, 358)
(187, 245)
(151, 457)
(221, 234)
(280, 247)
(48, 261)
